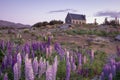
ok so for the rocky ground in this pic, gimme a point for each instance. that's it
(68, 36)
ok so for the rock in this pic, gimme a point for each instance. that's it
(117, 37)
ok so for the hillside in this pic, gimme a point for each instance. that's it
(9, 24)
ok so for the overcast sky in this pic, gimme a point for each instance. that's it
(32, 11)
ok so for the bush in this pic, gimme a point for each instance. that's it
(52, 22)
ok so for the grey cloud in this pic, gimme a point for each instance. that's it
(108, 13)
(64, 10)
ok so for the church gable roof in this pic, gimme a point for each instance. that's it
(77, 16)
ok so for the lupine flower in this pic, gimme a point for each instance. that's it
(29, 75)
(107, 70)
(49, 73)
(102, 76)
(27, 48)
(110, 76)
(117, 65)
(73, 66)
(52, 70)
(2, 45)
(10, 60)
(59, 50)
(5, 62)
(50, 49)
(68, 67)
(55, 68)
(35, 66)
(14, 60)
(92, 56)
(79, 59)
(112, 62)
(84, 59)
(47, 52)
(42, 66)
(33, 54)
(113, 69)
(5, 76)
(49, 41)
(19, 62)
(16, 72)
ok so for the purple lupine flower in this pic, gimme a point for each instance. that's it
(73, 66)
(68, 67)
(2, 45)
(79, 59)
(5, 76)
(113, 69)
(29, 75)
(27, 48)
(55, 68)
(35, 66)
(14, 59)
(107, 70)
(5, 62)
(49, 73)
(16, 73)
(47, 52)
(59, 50)
(102, 77)
(50, 49)
(112, 62)
(19, 62)
(110, 76)
(10, 59)
(117, 65)
(42, 66)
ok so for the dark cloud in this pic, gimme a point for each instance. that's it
(65, 10)
(108, 13)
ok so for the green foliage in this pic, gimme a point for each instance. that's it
(95, 67)
(1, 55)
(61, 70)
(52, 22)
(33, 34)
(18, 41)
(26, 31)
(92, 32)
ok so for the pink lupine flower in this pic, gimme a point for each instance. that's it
(73, 66)
(29, 75)
(16, 73)
(68, 67)
(49, 73)
(55, 68)
(92, 55)
(19, 62)
(110, 76)
(52, 70)
(84, 59)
